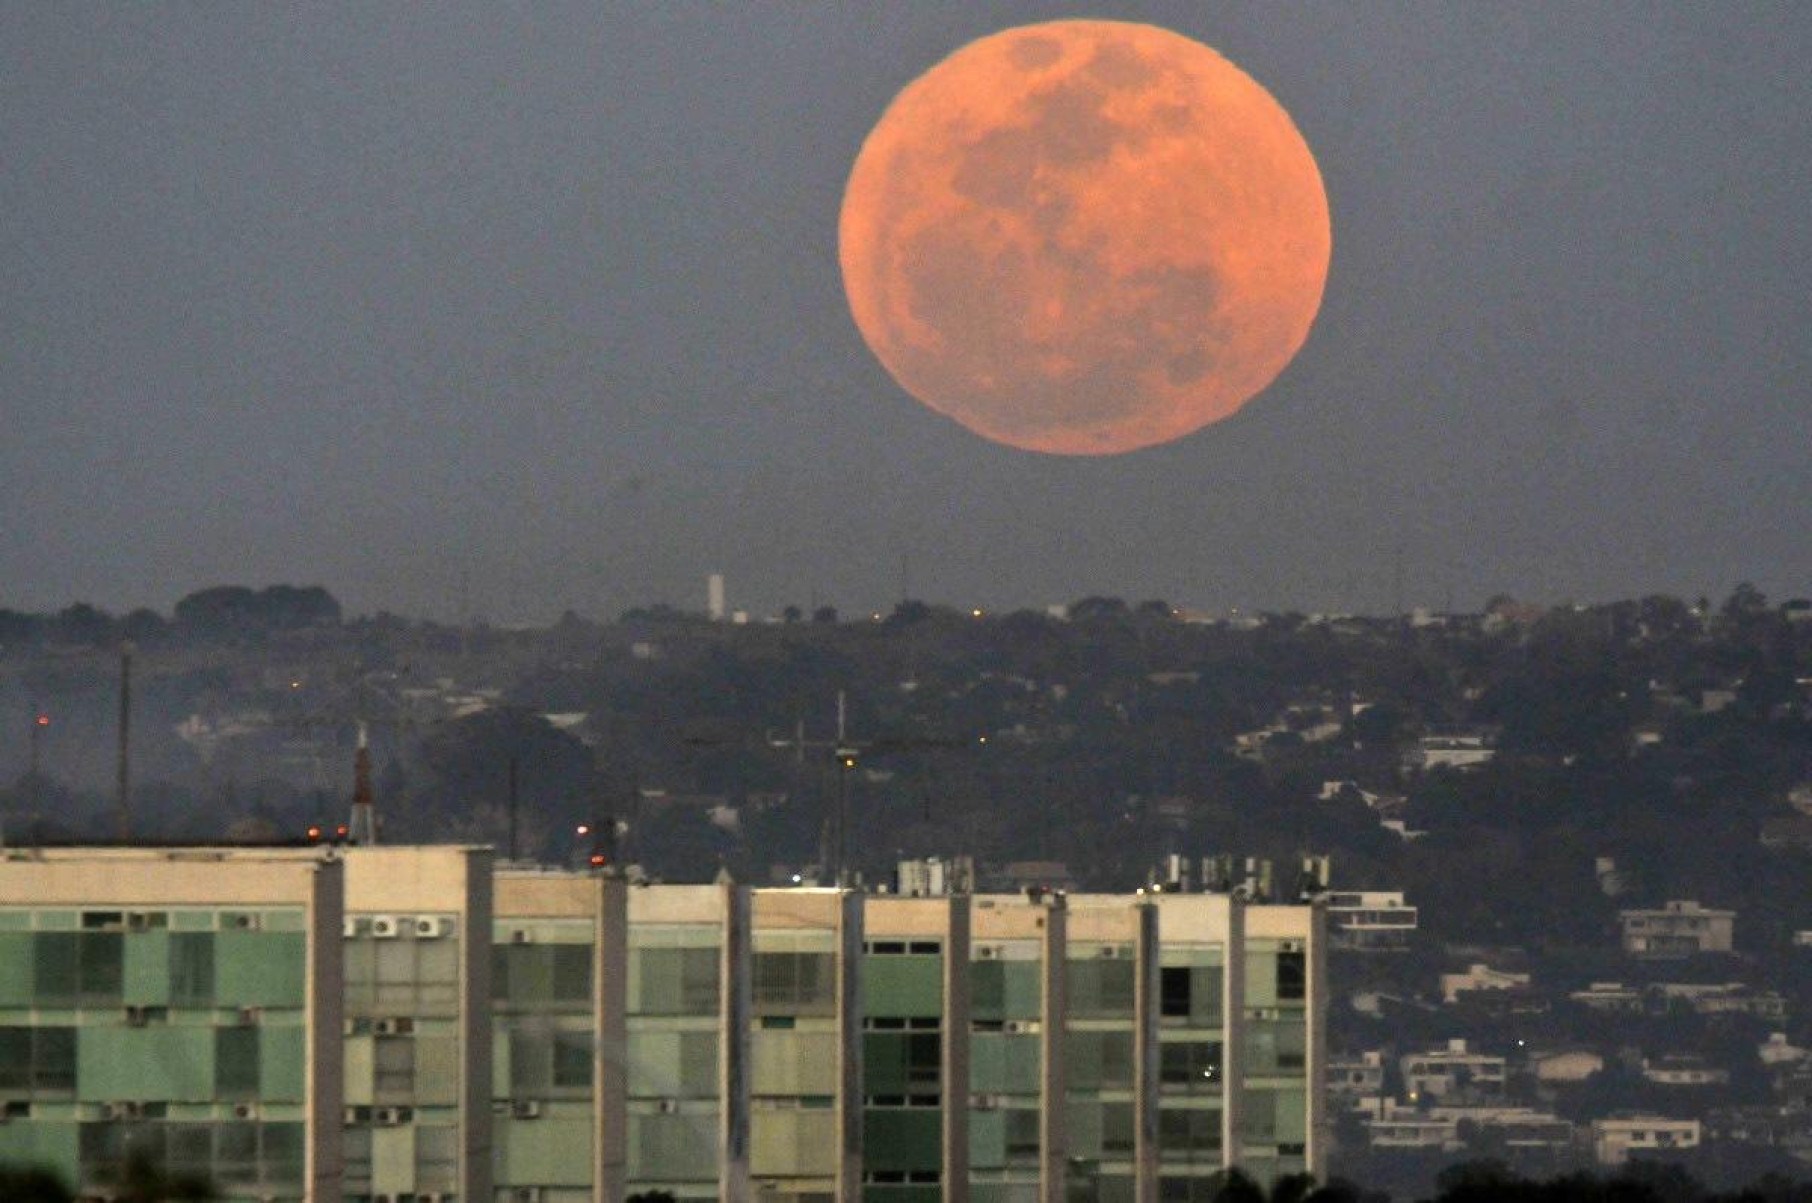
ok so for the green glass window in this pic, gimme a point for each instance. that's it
(103, 969)
(1188, 1130)
(1261, 979)
(572, 973)
(1099, 1060)
(795, 983)
(259, 969)
(236, 1154)
(393, 1069)
(904, 1139)
(675, 981)
(673, 1148)
(903, 986)
(1006, 989)
(56, 966)
(189, 1149)
(1292, 976)
(1191, 994)
(284, 1147)
(572, 1060)
(1100, 1130)
(236, 1063)
(192, 969)
(1100, 988)
(1194, 1066)
(1275, 1046)
(53, 1060)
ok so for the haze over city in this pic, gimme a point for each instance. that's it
(478, 311)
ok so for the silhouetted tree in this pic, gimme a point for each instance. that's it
(29, 1184)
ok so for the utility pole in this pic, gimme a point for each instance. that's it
(847, 753)
(125, 750)
(39, 721)
(514, 763)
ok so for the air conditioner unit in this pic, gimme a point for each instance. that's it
(249, 1016)
(387, 1117)
(243, 921)
(986, 952)
(522, 935)
(525, 1109)
(122, 1110)
(136, 1017)
(383, 1027)
(668, 1107)
(1109, 952)
(385, 927)
(138, 921)
(1290, 946)
(245, 1110)
(433, 927)
(350, 927)
(526, 1194)
(354, 1115)
(433, 1196)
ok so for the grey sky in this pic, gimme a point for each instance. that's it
(520, 308)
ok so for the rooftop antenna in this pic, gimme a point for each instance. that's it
(362, 831)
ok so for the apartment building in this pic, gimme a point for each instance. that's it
(181, 1005)
(390, 1024)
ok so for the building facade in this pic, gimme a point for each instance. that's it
(382, 1024)
(180, 1006)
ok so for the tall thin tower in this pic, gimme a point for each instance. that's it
(362, 830)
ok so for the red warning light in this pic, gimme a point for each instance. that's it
(44, 720)
(340, 831)
(314, 833)
(597, 860)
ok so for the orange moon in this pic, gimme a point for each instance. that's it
(1084, 237)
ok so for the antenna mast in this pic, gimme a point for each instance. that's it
(363, 829)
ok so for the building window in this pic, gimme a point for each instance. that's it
(1292, 975)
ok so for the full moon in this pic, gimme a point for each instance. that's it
(1084, 237)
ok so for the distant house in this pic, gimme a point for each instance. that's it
(1413, 1130)
(1355, 1077)
(1680, 1069)
(1453, 1073)
(1452, 750)
(1678, 929)
(1480, 977)
(1701, 998)
(1565, 1066)
(1721, 998)
(1442, 1127)
(1616, 1137)
(1610, 997)
(1776, 1050)
(1369, 919)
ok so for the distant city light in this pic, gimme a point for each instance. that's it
(44, 720)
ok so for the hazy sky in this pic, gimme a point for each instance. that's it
(505, 310)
